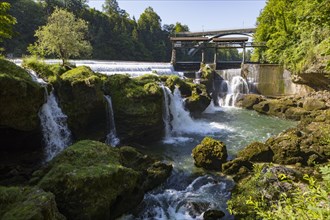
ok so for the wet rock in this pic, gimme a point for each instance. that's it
(20, 99)
(249, 100)
(311, 104)
(93, 181)
(196, 103)
(210, 154)
(212, 214)
(81, 98)
(286, 148)
(138, 106)
(257, 152)
(238, 168)
(27, 203)
(295, 113)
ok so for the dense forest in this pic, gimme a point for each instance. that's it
(113, 34)
(297, 33)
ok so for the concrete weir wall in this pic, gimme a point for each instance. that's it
(272, 80)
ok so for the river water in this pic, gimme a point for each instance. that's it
(191, 191)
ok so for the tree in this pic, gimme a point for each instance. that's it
(6, 21)
(63, 36)
(29, 16)
(111, 7)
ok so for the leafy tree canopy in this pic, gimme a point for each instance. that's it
(297, 33)
(63, 36)
(6, 21)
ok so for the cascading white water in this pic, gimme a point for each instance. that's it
(112, 138)
(178, 122)
(166, 111)
(189, 203)
(231, 87)
(55, 131)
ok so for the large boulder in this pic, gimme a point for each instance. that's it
(138, 107)
(257, 152)
(94, 181)
(272, 107)
(312, 104)
(210, 154)
(249, 100)
(21, 99)
(27, 203)
(199, 99)
(82, 100)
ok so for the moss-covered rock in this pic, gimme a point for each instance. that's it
(27, 203)
(175, 81)
(295, 113)
(271, 107)
(82, 100)
(20, 98)
(138, 107)
(312, 104)
(210, 154)
(257, 152)
(238, 168)
(94, 181)
(249, 100)
(48, 72)
(199, 99)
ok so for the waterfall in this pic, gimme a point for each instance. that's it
(112, 138)
(55, 131)
(231, 87)
(166, 111)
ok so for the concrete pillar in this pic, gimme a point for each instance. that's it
(173, 58)
(203, 57)
(215, 60)
(243, 60)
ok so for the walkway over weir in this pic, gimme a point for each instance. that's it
(196, 41)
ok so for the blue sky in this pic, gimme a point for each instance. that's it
(199, 15)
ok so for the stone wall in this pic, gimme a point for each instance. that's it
(272, 80)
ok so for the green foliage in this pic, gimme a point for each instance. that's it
(48, 72)
(113, 34)
(299, 201)
(6, 21)
(29, 15)
(297, 33)
(63, 36)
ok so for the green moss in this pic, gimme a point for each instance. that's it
(87, 179)
(81, 74)
(94, 181)
(22, 96)
(27, 203)
(137, 104)
(184, 87)
(48, 72)
(210, 154)
(257, 152)
(80, 92)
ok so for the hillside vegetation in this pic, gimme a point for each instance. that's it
(297, 34)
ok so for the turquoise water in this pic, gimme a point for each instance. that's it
(190, 191)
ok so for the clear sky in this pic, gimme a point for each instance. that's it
(199, 15)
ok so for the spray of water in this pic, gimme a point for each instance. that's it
(56, 134)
